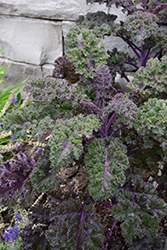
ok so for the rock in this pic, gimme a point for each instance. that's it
(47, 70)
(51, 9)
(18, 72)
(66, 26)
(29, 40)
(122, 82)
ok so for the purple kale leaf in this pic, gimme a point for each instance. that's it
(91, 106)
(34, 238)
(125, 112)
(14, 180)
(74, 225)
(152, 119)
(103, 85)
(66, 141)
(100, 22)
(140, 211)
(41, 177)
(117, 62)
(151, 81)
(65, 69)
(57, 93)
(106, 162)
(142, 33)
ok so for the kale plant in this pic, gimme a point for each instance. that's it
(141, 31)
(83, 122)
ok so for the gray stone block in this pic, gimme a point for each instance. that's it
(18, 72)
(47, 70)
(51, 9)
(30, 41)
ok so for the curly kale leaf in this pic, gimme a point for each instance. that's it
(56, 93)
(143, 29)
(151, 81)
(126, 111)
(146, 159)
(74, 225)
(106, 162)
(156, 6)
(41, 178)
(34, 238)
(100, 22)
(140, 211)
(152, 119)
(66, 141)
(33, 235)
(65, 69)
(117, 62)
(85, 50)
(14, 180)
(33, 118)
(90, 106)
(103, 85)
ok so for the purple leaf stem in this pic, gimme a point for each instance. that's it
(80, 45)
(79, 233)
(133, 64)
(111, 231)
(99, 104)
(143, 57)
(68, 144)
(131, 44)
(102, 133)
(15, 187)
(148, 51)
(95, 135)
(160, 51)
(79, 236)
(87, 233)
(86, 108)
(115, 131)
(144, 4)
(143, 87)
(45, 177)
(96, 91)
(140, 100)
(127, 79)
(134, 94)
(82, 216)
(88, 58)
(104, 124)
(39, 241)
(133, 150)
(109, 123)
(162, 21)
(91, 70)
(103, 103)
(113, 88)
(105, 204)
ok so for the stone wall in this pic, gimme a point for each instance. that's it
(32, 34)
